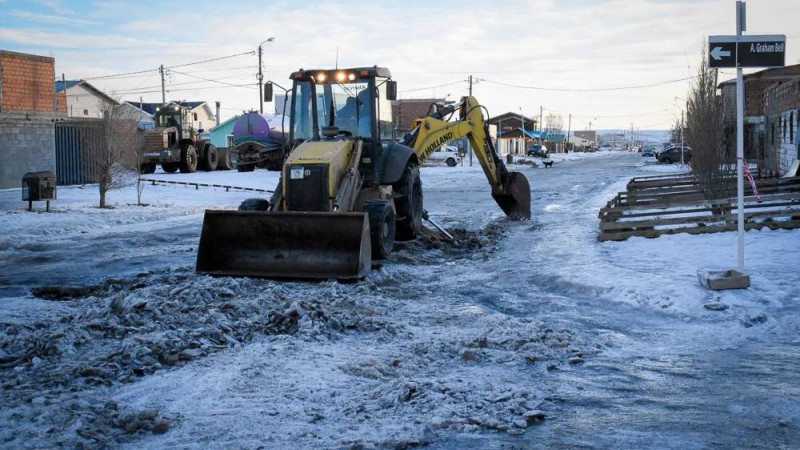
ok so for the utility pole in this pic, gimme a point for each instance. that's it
(260, 75)
(541, 123)
(470, 85)
(682, 137)
(569, 128)
(163, 90)
(522, 150)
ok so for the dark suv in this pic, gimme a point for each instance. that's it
(538, 150)
(673, 154)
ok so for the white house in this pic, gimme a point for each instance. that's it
(83, 99)
(141, 111)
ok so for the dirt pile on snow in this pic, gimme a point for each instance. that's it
(122, 330)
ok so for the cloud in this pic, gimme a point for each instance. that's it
(50, 18)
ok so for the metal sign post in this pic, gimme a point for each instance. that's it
(744, 51)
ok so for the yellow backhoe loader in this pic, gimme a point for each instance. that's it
(348, 189)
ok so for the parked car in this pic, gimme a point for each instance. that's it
(648, 150)
(447, 154)
(538, 150)
(673, 154)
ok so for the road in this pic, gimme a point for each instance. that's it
(662, 379)
(439, 344)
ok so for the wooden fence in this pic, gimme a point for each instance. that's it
(653, 206)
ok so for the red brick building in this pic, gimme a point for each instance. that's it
(755, 85)
(26, 83)
(404, 112)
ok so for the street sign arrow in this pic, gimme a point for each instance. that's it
(718, 53)
(722, 51)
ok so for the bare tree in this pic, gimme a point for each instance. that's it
(112, 155)
(554, 123)
(705, 134)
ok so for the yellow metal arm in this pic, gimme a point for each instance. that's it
(432, 133)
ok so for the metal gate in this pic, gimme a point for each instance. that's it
(69, 158)
(74, 141)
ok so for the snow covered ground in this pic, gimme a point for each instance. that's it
(520, 334)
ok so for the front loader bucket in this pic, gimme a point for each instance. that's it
(515, 197)
(285, 244)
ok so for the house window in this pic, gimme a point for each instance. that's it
(791, 126)
(783, 130)
(772, 133)
(85, 112)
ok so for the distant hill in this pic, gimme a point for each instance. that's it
(623, 136)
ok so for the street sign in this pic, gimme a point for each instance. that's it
(747, 51)
(761, 53)
(721, 54)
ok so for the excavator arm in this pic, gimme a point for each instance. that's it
(510, 190)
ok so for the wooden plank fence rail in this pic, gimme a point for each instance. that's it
(198, 185)
(654, 206)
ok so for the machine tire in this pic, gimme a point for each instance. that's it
(188, 162)
(254, 204)
(667, 161)
(451, 162)
(381, 227)
(169, 167)
(147, 168)
(211, 159)
(245, 167)
(224, 160)
(408, 203)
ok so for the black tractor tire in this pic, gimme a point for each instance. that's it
(408, 202)
(224, 160)
(169, 167)
(381, 227)
(254, 204)
(188, 162)
(245, 167)
(210, 159)
(147, 168)
(451, 162)
(666, 161)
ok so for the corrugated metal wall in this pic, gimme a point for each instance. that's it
(71, 165)
(69, 158)
(80, 154)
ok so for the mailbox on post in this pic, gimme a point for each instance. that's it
(38, 186)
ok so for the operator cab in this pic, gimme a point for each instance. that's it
(356, 102)
(173, 115)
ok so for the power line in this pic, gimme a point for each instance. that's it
(204, 79)
(213, 59)
(434, 87)
(126, 74)
(120, 75)
(620, 88)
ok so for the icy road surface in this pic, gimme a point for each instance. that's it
(522, 335)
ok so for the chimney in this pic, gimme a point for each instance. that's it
(217, 102)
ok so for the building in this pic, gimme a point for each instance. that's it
(28, 108)
(589, 136)
(782, 127)
(510, 135)
(84, 100)
(405, 112)
(219, 134)
(755, 85)
(579, 144)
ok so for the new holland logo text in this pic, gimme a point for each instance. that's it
(438, 142)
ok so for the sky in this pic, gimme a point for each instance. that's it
(605, 63)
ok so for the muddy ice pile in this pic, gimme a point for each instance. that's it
(59, 376)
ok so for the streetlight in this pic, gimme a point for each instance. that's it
(261, 75)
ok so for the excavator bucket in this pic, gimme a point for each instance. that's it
(285, 244)
(515, 197)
